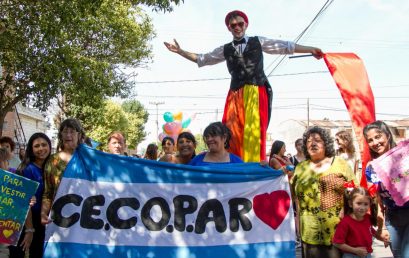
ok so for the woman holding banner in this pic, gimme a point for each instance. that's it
(394, 217)
(318, 188)
(32, 238)
(217, 137)
(70, 135)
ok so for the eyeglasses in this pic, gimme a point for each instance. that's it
(67, 132)
(234, 25)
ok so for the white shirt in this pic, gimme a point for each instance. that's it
(269, 46)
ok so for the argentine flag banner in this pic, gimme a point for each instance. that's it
(116, 206)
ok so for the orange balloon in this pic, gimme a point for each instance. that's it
(178, 116)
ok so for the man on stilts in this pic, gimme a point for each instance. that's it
(247, 109)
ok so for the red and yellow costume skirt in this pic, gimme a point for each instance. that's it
(246, 115)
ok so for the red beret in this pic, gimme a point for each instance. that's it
(233, 14)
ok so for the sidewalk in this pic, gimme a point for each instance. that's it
(379, 251)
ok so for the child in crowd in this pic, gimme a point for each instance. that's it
(353, 235)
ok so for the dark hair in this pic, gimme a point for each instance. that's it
(189, 136)
(88, 141)
(325, 136)
(6, 139)
(379, 126)
(276, 147)
(73, 124)
(296, 141)
(21, 155)
(218, 129)
(3, 154)
(347, 137)
(168, 138)
(29, 156)
(349, 196)
(151, 152)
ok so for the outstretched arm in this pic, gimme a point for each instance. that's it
(176, 49)
(316, 52)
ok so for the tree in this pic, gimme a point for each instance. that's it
(77, 49)
(137, 118)
(129, 118)
(200, 144)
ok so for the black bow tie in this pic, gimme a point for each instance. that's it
(237, 42)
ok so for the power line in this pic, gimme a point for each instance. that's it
(321, 11)
(224, 78)
(275, 98)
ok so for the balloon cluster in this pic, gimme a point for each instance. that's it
(174, 125)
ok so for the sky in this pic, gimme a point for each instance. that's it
(376, 30)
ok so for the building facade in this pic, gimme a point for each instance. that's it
(23, 122)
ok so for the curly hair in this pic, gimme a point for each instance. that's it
(349, 143)
(325, 136)
(381, 127)
(218, 129)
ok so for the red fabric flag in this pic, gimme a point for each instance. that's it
(351, 78)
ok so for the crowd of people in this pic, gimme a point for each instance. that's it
(334, 216)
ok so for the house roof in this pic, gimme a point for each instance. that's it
(30, 112)
(347, 123)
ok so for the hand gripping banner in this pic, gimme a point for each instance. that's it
(116, 206)
(351, 78)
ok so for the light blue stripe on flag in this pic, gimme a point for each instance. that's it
(259, 250)
(94, 165)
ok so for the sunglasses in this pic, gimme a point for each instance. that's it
(234, 25)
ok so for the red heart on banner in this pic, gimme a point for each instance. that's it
(272, 208)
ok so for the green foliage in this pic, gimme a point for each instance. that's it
(71, 48)
(201, 145)
(137, 118)
(129, 118)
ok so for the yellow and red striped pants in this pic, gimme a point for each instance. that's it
(246, 115)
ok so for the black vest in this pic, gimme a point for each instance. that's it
(247, 68)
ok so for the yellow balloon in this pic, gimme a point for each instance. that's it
(178, 116)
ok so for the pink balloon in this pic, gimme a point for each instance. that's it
(173, 128)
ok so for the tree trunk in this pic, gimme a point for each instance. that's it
(3, 114)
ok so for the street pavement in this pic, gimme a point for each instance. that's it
(379, 251)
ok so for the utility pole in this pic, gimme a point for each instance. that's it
(308, 113)
(157, 103)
